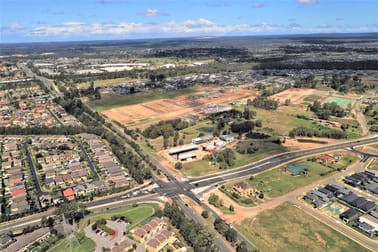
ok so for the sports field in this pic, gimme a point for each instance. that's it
(344, 102)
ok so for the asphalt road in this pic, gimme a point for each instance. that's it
(271, 162)
(93, 206)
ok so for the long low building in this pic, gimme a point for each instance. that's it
(183, 148)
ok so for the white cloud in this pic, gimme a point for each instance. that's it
(12, 27)
(216, 3)
(152, 13)
(257, 5)
(308, 1)
(200, 26)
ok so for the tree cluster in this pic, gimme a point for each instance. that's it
(308, 132)
(165, 128)
(194, 234)
(229, 233)
(265, 103)
(327, 109)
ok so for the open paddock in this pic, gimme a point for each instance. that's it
(143, 114)
(295, 95)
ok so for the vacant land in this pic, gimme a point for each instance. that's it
(134, 214)
(294, 95)
(288, 228)
(114, 100)
(141, 110)
(277, 182)
(78, 243)
(284, 118)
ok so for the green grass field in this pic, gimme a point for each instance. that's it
(135, 214)
(80, 244)
(284, 119)
(114, 100)
(276, 182)
(288, 228)
(344, 102)
(107, 82)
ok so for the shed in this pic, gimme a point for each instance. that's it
(295, 170)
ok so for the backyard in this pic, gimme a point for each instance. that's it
(288, 228)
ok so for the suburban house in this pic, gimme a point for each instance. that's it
(227, 138)
(124, 246)
(69, 194)
(243, 189)
(326, 159)
(160, 240)
(350, 215)
(144, 233)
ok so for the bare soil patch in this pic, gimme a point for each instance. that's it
(295, 95)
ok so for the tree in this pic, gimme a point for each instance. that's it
(242, 247)
(231, 208)
(68, 209)
(178, 166)
(213, 199)
(205, 214)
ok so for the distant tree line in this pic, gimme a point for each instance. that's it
(328, 65)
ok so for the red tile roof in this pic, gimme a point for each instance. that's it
(68, 193)
(17, 192)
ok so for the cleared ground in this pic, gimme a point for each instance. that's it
(294, 95)
(145, 113)
(288, 228)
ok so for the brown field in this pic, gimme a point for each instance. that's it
(295, 95)
(141, 115)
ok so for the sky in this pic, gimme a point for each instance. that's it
(73, 20)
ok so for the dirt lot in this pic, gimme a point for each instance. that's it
(141, 115)
(295, 95)
(293, 144)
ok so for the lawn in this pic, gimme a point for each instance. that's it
(203, 167)
(288, 228)
(134, 214)
(80, 244)
(107, 82)
(284, 118)
(276, 182)
(115, 100)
